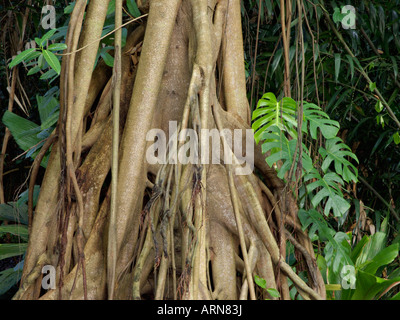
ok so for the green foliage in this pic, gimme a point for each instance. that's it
(327, 186)
(318, 119)
(281, 149)
(274, 119)
(42, 55)
(263, 284)
(352, 273)
(336, 151)
(133, 8)
(16, 213)
(333, 77)
(30, 136)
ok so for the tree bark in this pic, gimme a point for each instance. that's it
(182, 231)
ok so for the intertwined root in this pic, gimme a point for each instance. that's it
(193, 231)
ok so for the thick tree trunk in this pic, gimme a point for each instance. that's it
(182, 231)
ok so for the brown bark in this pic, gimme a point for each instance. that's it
(190, 231)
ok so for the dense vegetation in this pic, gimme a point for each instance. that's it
(325, 108)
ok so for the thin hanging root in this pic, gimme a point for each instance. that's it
(116, 81)
(306, 253)
(80, 237)
(164, 230)
(284, 286)
(311, 265)
(263, 229)
(252, 257)
(235, 203)
(261, 225)
(148, 245)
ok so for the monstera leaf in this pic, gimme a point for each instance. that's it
(329, 186)
(281, 149)
(315, 118)
(336, 151)
(271, 112)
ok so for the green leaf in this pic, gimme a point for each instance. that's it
(337, 15)
(23, 131)
(382, 258)
(21, 57)
(336, 151)
(68, 9)
(337, 249)
(378, 106)
(368, 286)
(40, 61)
(380, 120)
(351, 62)
(396, 137)
(52, 60)
(337, 65)
(48, 74)
(37, 40)
(260, 281)
(34, 70)
(328, 188)
(277, 59)
(281, 149)
(10, 277)
(133, 8)
(47, 105)
(355, 253)
(108, 59)
(32, 55)
(375, 244)
(14, 212)
(271, 112)
(51, 120)
(395, 67)
(111, 7)
(317, 119)
(273, 293)
(15, 229)
(9, 250)
(47, 36)
(57, 47)
(372, 86)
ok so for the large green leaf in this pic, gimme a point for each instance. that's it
(335, 150)
(133, 8)
(15, 229)
(270, 112)
(27, 134)
(382, 258)
(337, 253)
(369, 287)
(47, 105)
(375, 244)
(23, 131)
(8, 250)
(10, 277)
(328, 187)
(14, 212)
(337, 250)
(316, 118)
(281, 149)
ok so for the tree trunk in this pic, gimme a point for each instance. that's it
(180, 231)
